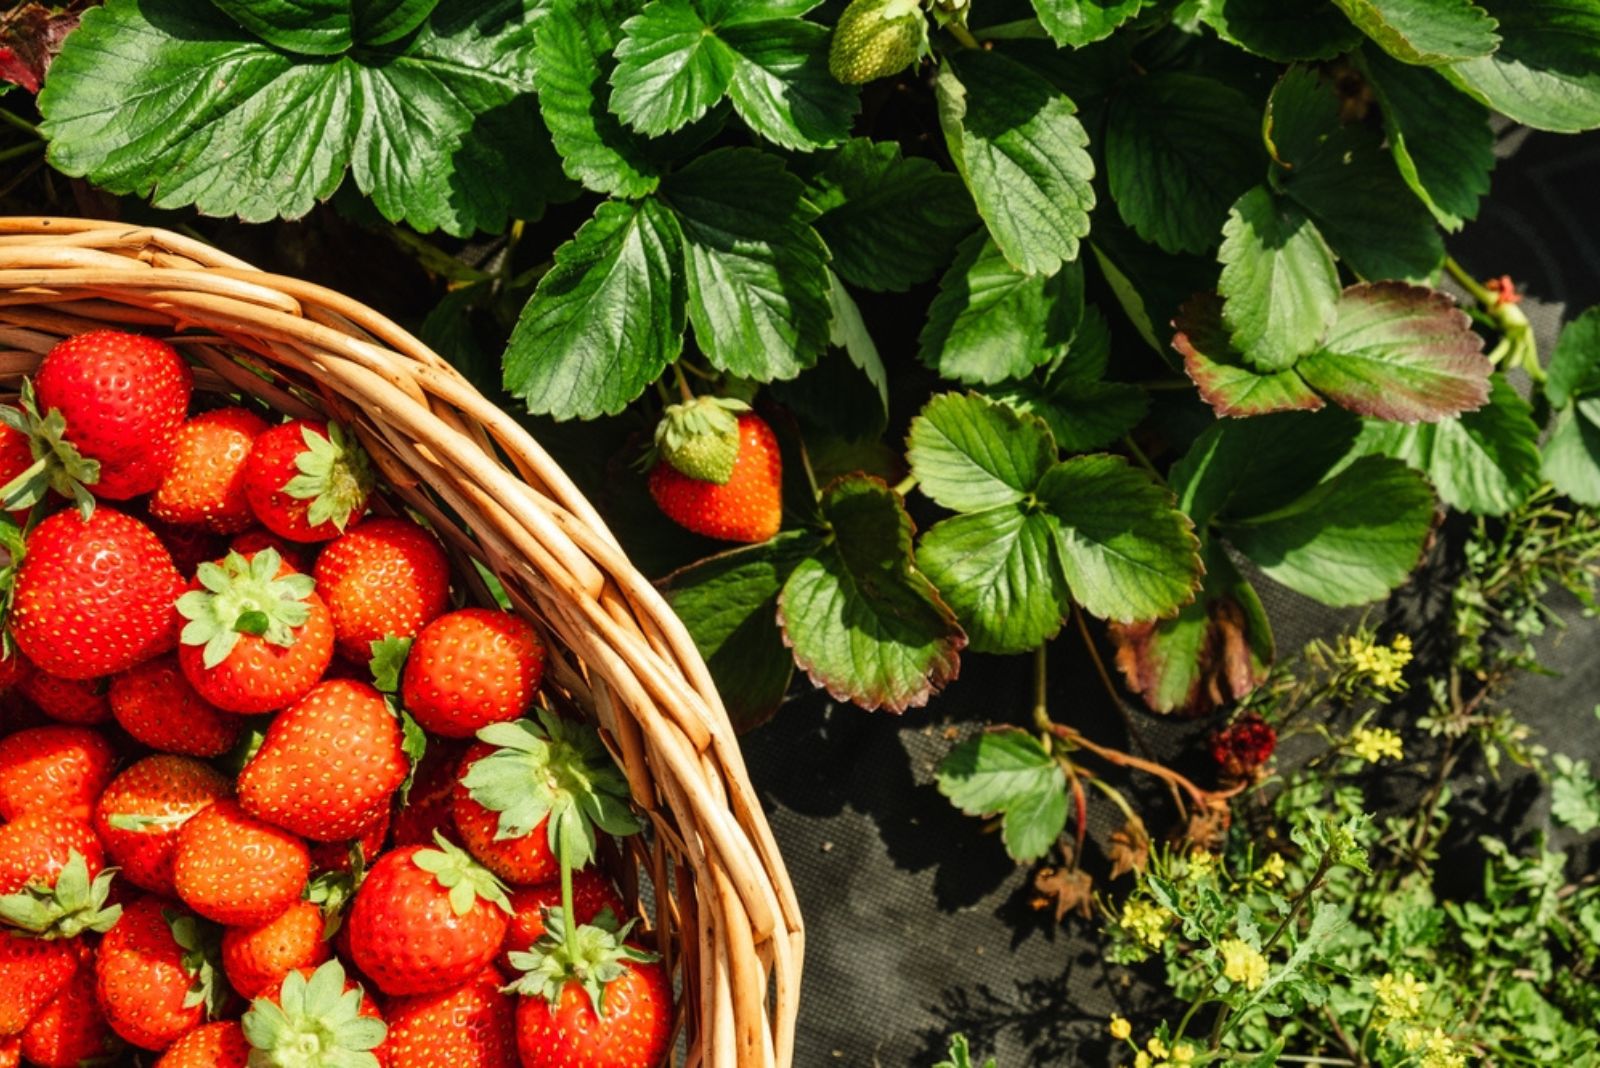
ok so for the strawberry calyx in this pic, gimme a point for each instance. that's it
(201, 942)
(591, 955)
(57, 463)
(467, 880)
(388, 661)
(314, 1022)
(244, 595)
(554, 769)
(332, 891)
(700, 437)
(74, 905)
(335, 475)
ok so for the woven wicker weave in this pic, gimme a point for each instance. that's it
(725, 915)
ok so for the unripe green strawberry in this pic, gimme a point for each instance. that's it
(877, 38)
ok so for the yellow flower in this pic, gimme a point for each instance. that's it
(1184, 1054)
(1199, 864)
(1272, 869)
(1383, 665)
(1156, 1047)
(1440, 1051)
(1141, 1060)
(1243, 964)
(1399, 996)
(1372, 744)
(1146, 922)
(1120, 1028)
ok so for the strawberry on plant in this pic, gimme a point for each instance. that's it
(470, 668)
(257, 636)
(316, 1018)
(71, 1030)
(123, 397)
(591, 895)
(157, 706)
(235, 869)
(77, 701)
(32, 972)
(53, 769)
(382, 578)
(471, 1026)
(307, 481)
(328, 765)
(215, 1045)
(143, 809)
(205, 483)
(156, 974)
(93, 597)
(876, 38)
(426, 919)
(718, 471)
(258, 958)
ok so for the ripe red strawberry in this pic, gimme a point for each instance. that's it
(235, 869)
(382, 578)
(335, 856)
(155, 974)
(312, 1020)
(71, 1030)
(140, 814)
(16, 456)
(94, 597)
(124, 397)
(329, 764)
(257, 636)
(205, 483)
(426, 920)
(216, 1045)
(297, 555)
(470, 668)
(257, 958)
(591, 895)
(35, 848)
(14, 668)
(156, 705)
(307, 481)
(699, 488)
(471, 1026)
(11, 1051)
(54, 769)
(427, 808)
(77, 701)
(190, 546)
(32, 972)
(523, 858)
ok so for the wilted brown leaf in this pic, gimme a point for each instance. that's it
(1065, 890)
(30, 37)
(1129, 849)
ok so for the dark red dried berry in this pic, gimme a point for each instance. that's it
(1243, 746)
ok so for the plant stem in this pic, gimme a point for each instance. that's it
(1299, 906)
(1464, 278)
(906, 485)
(1218, 1029)
(683, 383)
(1183, 1024)
(570, 927)
(1354, 1051)
(19, 122)
(963, 35)
(17, 151)
(1041, 702)
(1140, 457)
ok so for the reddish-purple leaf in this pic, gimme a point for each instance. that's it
(1226, 381)
(30, 37)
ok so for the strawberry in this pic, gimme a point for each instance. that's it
(189, 545)
(52, 877)
(299, 556)
(10, 1052)
(257, 958)
(13, 670)
(93, 597)
(737, 500)
(123, 397)
(141, 812)
(336, 856)
(156, 705)
(470, 668)
(205, 483)
(155, 974)
(78, 701)
(312, 1019)
(257, 636)
(876, 38)
(216, 1045)
(427, 808)
(32, 972)
(426, 920)
(328, 765)
(71, 1030)
(471, 1026)
(53, 769)
(525, 780)
(235, 869)
(307, 481)
(382, 578)
(16, 457)
(591, 895)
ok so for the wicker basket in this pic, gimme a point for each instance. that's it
(725, 915)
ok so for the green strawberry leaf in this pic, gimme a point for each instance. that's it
(1546, 72)
(1018, 145)
(889, 221)
(991, 322)
(1009, 772)
(564, 358)
(862, 621)
(1572, 456)
(57, 463)
(1574, 370)
(327, 27)
(971, 454)
(388, 661)
(1425, 31)
(847, 393)
(1226, 380)
(1253, 466)
(1075, 23)
(1282, 30)
(1441, 139)
(729, 602)
(174, 100)
(1082, 411)
(997, 570)
(757, 276)
(1279, 284)
(1179, 148)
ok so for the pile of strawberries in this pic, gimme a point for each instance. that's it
(270, 795)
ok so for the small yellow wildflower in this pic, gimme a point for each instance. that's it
(1383, 665)
(1372, 744)
(1243, 964)
(1440, 1052)
(1156, 1047)
(1272, 869)
(1183, 1054)
(1141, 1060)
(1120, 1028)
(1199, 864)
(1147, 922)
(1399, 996)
